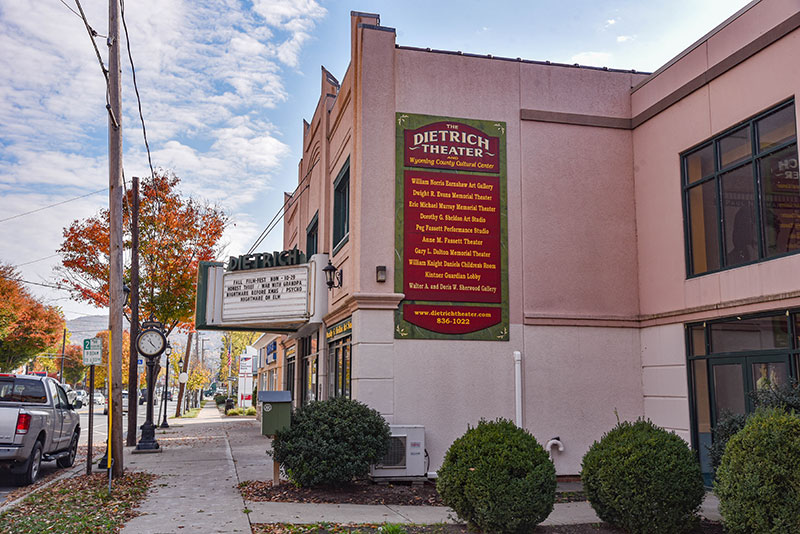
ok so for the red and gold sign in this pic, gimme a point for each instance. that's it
(451, 227)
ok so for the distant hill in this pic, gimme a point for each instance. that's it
(88, 326)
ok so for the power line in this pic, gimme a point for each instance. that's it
(92, 34)
(35, 261)
(277, 217)
(136, 88)
(51, 286)
(53, 205)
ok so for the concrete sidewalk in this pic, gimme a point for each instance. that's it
(204, 459)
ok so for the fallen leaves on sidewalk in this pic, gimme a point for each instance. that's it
(358, 492)
(79, 504)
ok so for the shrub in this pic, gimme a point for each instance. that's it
(727, 425)
(758, 480)
(234, 411)
(783, 396)
(219, 398)
(643, 479)
(331, 442)
(498, 478)
(250, 411)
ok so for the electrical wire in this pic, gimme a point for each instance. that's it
(51, 286)
(277, 217)
(136, 88)
(92, 34)
(53, 205)
(35, 261)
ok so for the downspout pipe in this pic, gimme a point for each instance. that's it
(518, 386)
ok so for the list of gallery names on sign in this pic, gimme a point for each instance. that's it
(452, 237)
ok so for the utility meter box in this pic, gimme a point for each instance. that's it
(276, 411)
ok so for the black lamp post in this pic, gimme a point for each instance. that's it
(333, 276)
(164, 423)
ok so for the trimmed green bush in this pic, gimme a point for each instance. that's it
(234, 411)
(643, 479)
(250, 411)
(497, 478)
(758, 479)
(219, 398)
(331, 442)
(727, 426)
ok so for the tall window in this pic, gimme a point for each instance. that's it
(290, 359)
(312, 236)
(339, 368)
(742, 195)
(309, 371)
(341, 207)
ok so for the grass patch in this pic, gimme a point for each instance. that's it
(79, 504)
(191, 413)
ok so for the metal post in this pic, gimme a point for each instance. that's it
(164, 423)
(148, 441)
(91, 420)
(63, 346)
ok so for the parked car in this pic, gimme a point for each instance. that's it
(99, 398)
(124, 403)
(71, 393)
(37, 422)
(82, 396)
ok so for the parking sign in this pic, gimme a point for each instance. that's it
(93, 351)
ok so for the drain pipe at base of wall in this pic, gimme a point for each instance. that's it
(518, 386)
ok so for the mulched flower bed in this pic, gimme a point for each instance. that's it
(358, 492)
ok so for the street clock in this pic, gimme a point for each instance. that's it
(151, 341)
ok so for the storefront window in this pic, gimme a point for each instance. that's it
(746, 355)
(340, 363)
(289, 358)
(742, 198)
(309, 371)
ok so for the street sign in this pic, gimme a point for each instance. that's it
(93, 351)
(140, 364)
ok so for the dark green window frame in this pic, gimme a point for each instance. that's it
(341, 207)
(702, 355)
(312, 236)
(711, 183)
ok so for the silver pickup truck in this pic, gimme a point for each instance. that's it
(37, 422)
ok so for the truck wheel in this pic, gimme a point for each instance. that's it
(67, 461)
(34, 462)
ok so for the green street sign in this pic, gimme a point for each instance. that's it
(93, 351)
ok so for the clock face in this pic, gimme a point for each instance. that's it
(151, 342)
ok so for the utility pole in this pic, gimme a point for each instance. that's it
(115, 192)
(63, 346)
(133, 364)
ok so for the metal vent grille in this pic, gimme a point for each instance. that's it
(396, 457)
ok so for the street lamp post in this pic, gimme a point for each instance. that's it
(164, 423)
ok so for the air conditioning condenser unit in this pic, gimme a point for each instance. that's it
(406, 456)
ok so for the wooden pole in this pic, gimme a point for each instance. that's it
(133, 363)
(63, 346)
(116, 296)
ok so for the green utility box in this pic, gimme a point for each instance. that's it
(276, 411)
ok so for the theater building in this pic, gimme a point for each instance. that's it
(554, 244)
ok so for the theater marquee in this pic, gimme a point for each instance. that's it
(451, 229)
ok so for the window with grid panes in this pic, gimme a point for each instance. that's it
(742, 194)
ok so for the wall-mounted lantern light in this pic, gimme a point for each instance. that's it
(380, 273)
(333, 276)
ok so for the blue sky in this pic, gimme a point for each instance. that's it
(225, 85)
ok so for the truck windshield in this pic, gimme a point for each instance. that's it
(22, 390)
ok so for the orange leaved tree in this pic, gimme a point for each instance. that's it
(175, 234)
(27, 326)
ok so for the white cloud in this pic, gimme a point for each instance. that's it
(595, 59)
(625, 38)
(610, 22)
(208, 73)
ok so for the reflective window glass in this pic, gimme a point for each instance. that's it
(702, 400)
(728, 389)
(700, 163)
(776, 128)
(703, 227)
(768, 375)
(762, 333)
(698, 339)
(780, 190)
(739, 216)
(735, 147)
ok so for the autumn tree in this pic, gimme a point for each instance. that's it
(237, 341)
(175, 234)
(27, 326)
(74, 369)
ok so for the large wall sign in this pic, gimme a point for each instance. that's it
(451, 229)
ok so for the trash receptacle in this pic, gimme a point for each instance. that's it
(276, 411)
(230, 404)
